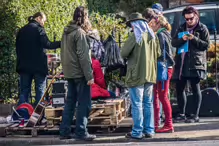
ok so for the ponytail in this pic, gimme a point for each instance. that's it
(30, 18)
(38, 14)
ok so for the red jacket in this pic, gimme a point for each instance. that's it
(98, 89)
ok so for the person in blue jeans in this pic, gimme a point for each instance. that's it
(77, 68)
(31, 41)
(141, 51)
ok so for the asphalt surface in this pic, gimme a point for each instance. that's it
(205, 133)
(178, 143)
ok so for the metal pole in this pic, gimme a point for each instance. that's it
(215, 43)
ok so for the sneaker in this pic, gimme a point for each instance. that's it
(192, 119)
(147, 135)
(129, 135)
(179, 119)
(66, 137)
(87, 137)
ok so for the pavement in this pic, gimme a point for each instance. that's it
(207, 129)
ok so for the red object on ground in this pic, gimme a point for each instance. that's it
(27, 106)
(98, 89)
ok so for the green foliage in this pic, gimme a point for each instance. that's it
(14, 14)
(103, 6)
(130, 6)
(107, 23)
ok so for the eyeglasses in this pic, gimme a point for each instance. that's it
(187, 19)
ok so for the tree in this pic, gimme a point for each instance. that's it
(130, 6)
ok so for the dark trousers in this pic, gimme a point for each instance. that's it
(78, 92)
(25, 87)
(181, 96)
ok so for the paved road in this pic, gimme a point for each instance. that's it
(176, 143)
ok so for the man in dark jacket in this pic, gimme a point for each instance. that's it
(191, 65)
(31, 58)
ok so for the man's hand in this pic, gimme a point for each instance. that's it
(185, 37)
(90, 82)
(191, 36)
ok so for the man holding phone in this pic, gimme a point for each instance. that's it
(190, 66)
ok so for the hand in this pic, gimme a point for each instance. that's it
(185, 37)
(191, 36)
(89, 83)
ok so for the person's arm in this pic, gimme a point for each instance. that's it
(98, 74)
(203, 41)
(82, 51)
(177, 42)
(46, 43)
(165, 41)
(128, 46)
(158, 47)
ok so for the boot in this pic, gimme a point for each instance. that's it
(168, 124)
(156, 109)
(165, 129)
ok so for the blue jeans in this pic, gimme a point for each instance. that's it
(142, 110)
(78, 92)
(25, 87)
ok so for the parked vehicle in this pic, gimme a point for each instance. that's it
(209, 13)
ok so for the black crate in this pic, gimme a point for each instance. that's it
(59, 87)
(58, 99)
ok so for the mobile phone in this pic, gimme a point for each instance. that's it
(188, 35)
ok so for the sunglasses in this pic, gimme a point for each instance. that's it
(187, 19)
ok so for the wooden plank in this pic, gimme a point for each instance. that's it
(97, 113)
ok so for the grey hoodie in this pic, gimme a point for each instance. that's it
(75, 53)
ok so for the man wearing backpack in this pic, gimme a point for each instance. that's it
(141, 50)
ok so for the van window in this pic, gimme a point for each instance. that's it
(207, 17)
(170, 18)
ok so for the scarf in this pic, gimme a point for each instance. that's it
(141, 27)
(191, 29)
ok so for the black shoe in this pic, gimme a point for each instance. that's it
(87, 137)
(146, 135)
(192, 119)
(66, 137)
(129, 135)
(179, 119)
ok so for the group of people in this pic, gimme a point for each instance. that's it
(149, 51)
(149, 42)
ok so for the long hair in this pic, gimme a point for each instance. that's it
(81, 18)
(164, 23)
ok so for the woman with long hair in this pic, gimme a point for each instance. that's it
(162, 28)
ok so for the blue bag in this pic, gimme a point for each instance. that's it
(162, 69)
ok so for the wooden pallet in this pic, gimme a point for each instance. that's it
(12, 129)
(112, 112)
(15, 130)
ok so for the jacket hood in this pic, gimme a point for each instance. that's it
(71, 27)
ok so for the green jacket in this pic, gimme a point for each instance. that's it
(142, 60)
(75, 53)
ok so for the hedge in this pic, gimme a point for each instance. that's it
(14, 14)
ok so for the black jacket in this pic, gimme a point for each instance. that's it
(195, 60)
(31, 41)
(165, 39)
